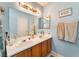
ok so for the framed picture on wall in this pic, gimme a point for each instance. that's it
(65, 12)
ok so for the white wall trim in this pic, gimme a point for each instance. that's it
(49, 54)
(56, 54)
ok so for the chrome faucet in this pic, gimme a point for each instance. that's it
(15, 36)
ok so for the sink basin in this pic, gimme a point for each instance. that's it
(22, 40)
(25, 40)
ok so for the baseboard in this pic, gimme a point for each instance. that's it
(49, 54)
(56, 54)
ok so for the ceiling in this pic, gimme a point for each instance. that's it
(43, 4)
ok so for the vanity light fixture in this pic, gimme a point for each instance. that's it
(25, 5)
(38, 11)
(29, 8)
(47, 18)
(43, 4)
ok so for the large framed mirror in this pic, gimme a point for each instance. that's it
(18, 22)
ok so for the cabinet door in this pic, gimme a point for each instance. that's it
(20, 54)
(25, 53)
(28, 52)
(49, 45)
(44, 48)
(36, 50)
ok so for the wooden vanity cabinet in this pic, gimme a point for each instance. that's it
(20, 54)
(39, 50)
(44, 48)
(49, 46)
(36, 50)
(27, 53)
(24, 53)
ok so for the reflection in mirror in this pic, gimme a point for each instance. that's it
(17, 23)
(44, 23)
(22, 26)
(32, 24)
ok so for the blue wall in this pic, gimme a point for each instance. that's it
(63, 48)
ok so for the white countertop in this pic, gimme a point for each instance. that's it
(20, 46)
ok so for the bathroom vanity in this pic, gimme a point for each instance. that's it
(37, 47)
(20, 45)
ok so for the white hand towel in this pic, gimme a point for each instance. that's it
(60, 31)
(71, 31)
